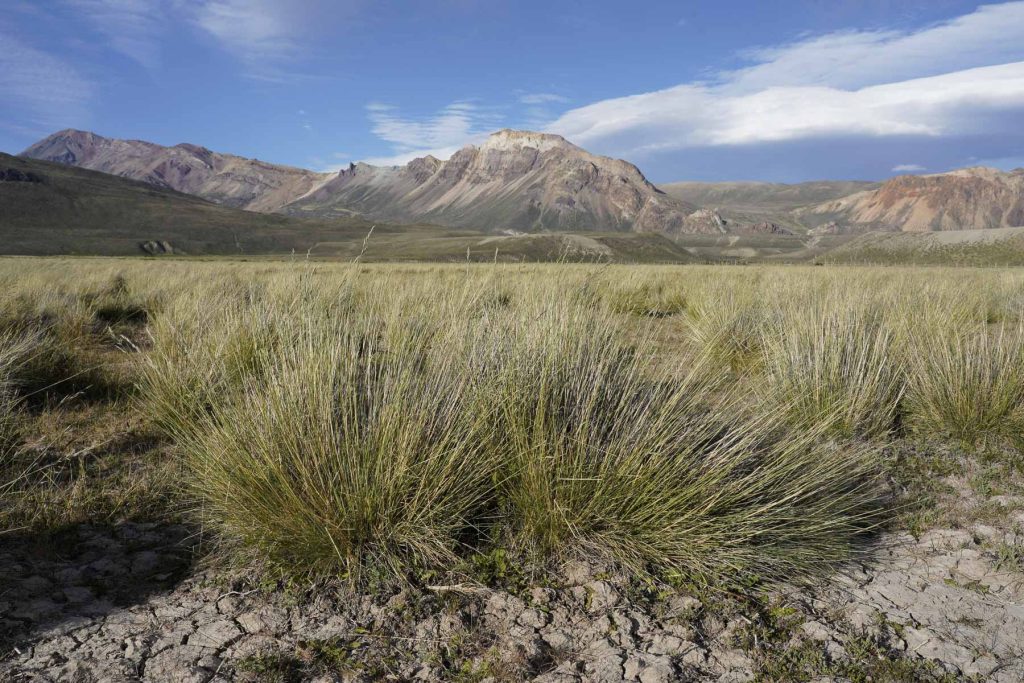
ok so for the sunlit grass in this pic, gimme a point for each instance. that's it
(334, 420)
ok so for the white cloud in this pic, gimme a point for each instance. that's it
(38, 90)
(937, 81)
(542, 98)
(132, 27)
(439, 135)
(693, 116)
(993, 34)
(908, 168)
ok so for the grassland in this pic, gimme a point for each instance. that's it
(994, 247)
(698, 424)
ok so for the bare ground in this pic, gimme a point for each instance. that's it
(110, 604)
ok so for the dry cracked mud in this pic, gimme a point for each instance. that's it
(125, 603)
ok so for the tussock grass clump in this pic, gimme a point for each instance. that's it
(969, 387)
(346, 453)
(116, 304)
(840, 366)
(70, 341)
(605, 459)
(427, 423)
(655, 299)
(13, 350)
(728, 328)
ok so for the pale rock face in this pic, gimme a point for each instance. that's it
(508, 140)
(830, 228)
(966, 199)
(704, 221)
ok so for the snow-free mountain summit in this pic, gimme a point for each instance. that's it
(514, 181)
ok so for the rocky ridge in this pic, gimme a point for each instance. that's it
(515, 180)
(966, 199)
(223, 178)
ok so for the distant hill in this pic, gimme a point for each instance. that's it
(519, 183)
(766, 197)
(515, 181)
(746, 205)
(966, 199)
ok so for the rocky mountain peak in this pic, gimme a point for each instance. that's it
(514, 140)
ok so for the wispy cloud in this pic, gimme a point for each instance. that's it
(439, 134)
(908, 168)
(873, 84)
(253, 30)
(131, 27)
(39, 92)
(542, 98)
(269, 35)
(689, 116)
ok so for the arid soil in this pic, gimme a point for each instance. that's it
(121, 604)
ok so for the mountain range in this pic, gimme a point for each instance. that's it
(48, 208)
(506, 193)
(514, 182)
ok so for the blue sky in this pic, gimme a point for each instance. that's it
(786, 90)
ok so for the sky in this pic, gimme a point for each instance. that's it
(784, 91)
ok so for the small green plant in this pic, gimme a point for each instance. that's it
(1010, 556)
(272, 667)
